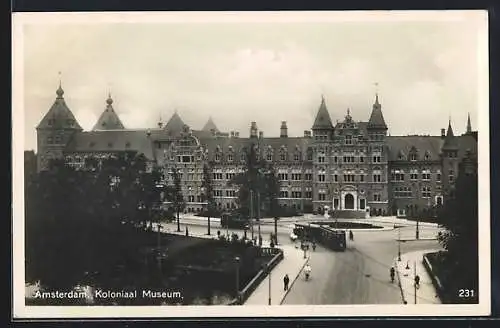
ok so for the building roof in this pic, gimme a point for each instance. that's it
(59, 115)
(210, 126)
(376, 120)
(108, 120)
(113, 141)
(322, 120)
(403, 145)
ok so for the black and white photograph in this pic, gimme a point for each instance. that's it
(250, 164)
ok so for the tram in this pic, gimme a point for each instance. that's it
(330, 238)
(234, 221)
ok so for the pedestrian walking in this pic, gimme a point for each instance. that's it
(286, 281)
(417, 281)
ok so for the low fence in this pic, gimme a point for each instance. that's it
(261, 275)
(435, 279)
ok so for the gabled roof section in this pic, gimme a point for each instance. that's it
(113, 141)
(376, 120)
(210, 126)
(450, 141)
(175, 125)
(109, 120)
(323, 120)
(59, 115)
(430, 145)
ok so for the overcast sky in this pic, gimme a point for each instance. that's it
(268, 72)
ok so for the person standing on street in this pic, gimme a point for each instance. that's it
(286, 281)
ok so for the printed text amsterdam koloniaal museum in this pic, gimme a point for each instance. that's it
(352, 165)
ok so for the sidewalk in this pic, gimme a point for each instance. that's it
(292, 264)
(426, 293)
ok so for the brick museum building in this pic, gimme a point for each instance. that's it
(348, 166)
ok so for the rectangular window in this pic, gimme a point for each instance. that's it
(376, 159)
(438, 177)
(335, 159)
(296, 157)
(426, 192)
(361, 178)
(335, 178)
(361, 159)
(308, 176)
(376, 197)
(309, 194)
(348, 140)
(321, 177)
(321, 158)
(321, 196)
(377, 178)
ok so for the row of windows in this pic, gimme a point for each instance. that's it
(414, 176)
(405, 192)
(350, 159)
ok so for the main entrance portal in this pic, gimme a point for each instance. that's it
(349, 202)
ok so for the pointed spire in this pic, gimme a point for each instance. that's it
(109, 120)
(469, 125)
(376, 120)
(450, 142)
(376, 94)
(323, 120)
(59, 115)
(175, 124)
(210, 125)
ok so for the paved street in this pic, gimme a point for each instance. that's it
(360, 275)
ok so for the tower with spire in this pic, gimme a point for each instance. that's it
(469, 125)
(55, 131)
(450, 160)
(109, 120)
(377, 128)
(322, 128)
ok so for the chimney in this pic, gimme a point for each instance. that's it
(253, 130)
(443, 133)
(261, 134)
(307, 133)
(283, 130)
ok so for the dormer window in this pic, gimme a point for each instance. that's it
(427, 156)
(282, 156)
(269, 156)
(401, 156)
(217, 157)
(413, 157)
(348, 140)
(296, 157)
(230, 157)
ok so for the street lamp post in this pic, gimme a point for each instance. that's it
(251, 212)
(258, 217)
(276, 230)
(159, 250)
(399, 244)
(269, 272)
(237, 260)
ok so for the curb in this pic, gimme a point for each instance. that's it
(399, 284)
(293, 281)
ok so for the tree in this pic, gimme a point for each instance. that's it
(81, 224)
(258, 178)
(208, 192)
(176, 196)
(459, 216)
(273, 189)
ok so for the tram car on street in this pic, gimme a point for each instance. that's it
(329, 238)
(234, 221)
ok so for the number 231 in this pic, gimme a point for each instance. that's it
(466, 293)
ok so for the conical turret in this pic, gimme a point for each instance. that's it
(376, 120)
(322, 120)
(109, 120)
(450, 141)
